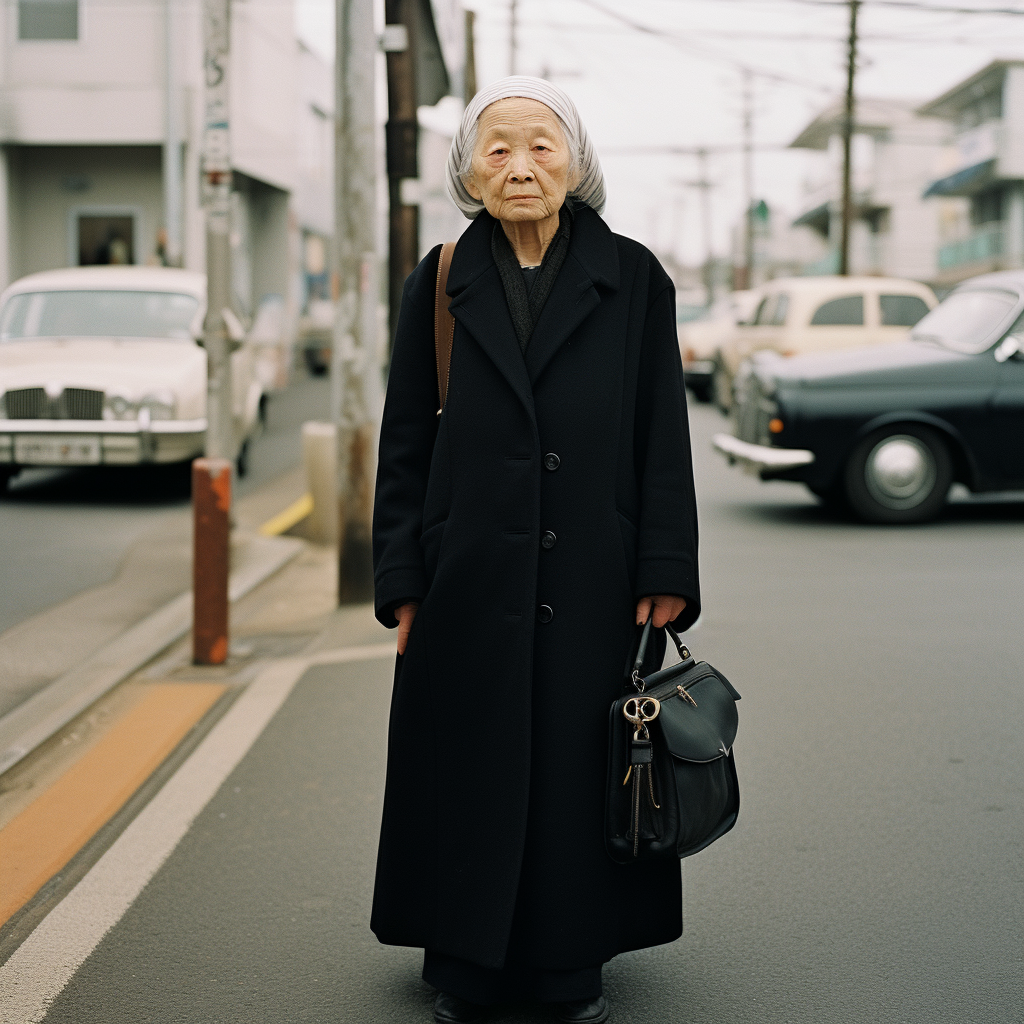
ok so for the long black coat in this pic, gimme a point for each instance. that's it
(563, 479)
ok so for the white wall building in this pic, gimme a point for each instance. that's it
(895, 232)
(101, 132)
(986, 168)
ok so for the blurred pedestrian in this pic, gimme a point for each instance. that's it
(518, 536)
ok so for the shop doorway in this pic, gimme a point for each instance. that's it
(105, 239)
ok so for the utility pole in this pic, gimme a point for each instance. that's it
(848, 126)
(218, 326)
(469, 74)
(211, 476)
(402, 134)
(353, 359)
(513, 36)
(703, 184)
(172, 139)
(747, 277)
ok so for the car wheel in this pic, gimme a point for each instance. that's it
(315, 363)
(721, 388)
(5, 476)
(701, 392)
(242, 461)
(899, 475)
(833, 496)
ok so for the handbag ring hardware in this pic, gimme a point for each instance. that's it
(685, 695)
(641, 710)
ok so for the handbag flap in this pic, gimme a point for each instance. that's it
(702, 733)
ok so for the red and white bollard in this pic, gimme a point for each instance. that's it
(211, 538)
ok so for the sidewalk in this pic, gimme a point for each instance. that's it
(302, 704)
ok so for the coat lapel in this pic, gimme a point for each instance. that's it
(478, 303)
(592, 261)
(478, 298)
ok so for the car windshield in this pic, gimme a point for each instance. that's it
(968, 321)
(104, 314)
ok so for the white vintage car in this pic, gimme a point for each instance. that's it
(101, 366)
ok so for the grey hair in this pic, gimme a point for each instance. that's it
(584, 165)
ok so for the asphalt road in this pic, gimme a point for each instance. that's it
(63, 531)
(876, 873)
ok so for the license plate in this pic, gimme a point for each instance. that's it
(57, 450)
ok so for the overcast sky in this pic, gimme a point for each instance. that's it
(680, 84)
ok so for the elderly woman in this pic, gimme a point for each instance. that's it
(518, 537)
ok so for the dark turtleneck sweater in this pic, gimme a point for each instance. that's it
(528, 288)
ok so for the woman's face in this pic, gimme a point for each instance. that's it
(520, 161)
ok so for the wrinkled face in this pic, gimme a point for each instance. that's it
(521, 161)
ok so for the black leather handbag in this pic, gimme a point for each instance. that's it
(672, 786)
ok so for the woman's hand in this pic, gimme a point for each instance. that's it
(666, 608)
(404, 614)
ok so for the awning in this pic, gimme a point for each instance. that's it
(818, 218)
(964, 183)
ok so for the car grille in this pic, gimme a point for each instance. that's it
(70, 404)
(754, 411)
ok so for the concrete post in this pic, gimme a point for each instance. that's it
(320, 463)
(354, 362)
(211, 508)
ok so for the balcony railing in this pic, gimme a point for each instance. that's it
(984, 244)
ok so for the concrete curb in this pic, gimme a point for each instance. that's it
(38, 718)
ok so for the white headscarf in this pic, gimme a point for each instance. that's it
(591, 187)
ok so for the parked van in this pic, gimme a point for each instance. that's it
(816, 314)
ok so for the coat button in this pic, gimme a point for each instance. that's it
(547, 540)
(545, 613)
(552, 461)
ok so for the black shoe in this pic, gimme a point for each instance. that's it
(449, 1009)
(584, 1011)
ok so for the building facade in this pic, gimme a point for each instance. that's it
(101, 123)
(985, 169)
(895, 231)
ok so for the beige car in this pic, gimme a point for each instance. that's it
(700, 338)
(815, 314)
(101, 366)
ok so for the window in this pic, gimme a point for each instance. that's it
(757, 318)
(969, 320)
(772, 311)
(105, 240)
(845, 312)
(902, 310)
(987, 207)
(47, 19)
(93, 314)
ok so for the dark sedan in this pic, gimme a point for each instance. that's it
(888, 429)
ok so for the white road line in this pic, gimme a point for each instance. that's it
(46, 961)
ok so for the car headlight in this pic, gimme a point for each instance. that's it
(160, 405)
(117, 407)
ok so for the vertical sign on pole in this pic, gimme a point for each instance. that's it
(220, 440)
(211, 477)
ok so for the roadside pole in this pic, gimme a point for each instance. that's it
(211, 500)
(354, 352)
(848, 127)
(747, 278)
(402, 135)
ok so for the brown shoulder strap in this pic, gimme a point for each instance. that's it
(444, 324)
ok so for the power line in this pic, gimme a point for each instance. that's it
(913, 5)
(685, 44)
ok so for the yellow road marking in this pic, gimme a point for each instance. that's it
(36, 844)
(285, 520)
